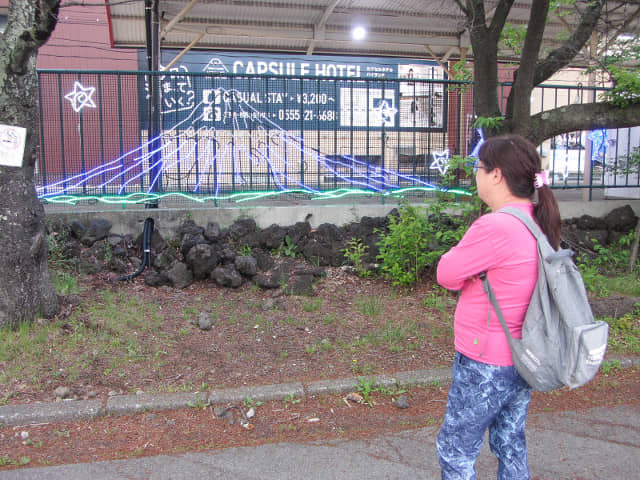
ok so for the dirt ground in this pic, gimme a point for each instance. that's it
(297, 420)
(352, 327)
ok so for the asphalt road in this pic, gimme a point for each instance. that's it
(598, 443)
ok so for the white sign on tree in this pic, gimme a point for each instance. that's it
(12, 140)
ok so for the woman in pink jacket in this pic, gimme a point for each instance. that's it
(487, 392)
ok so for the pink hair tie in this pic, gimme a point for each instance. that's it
(541, 179)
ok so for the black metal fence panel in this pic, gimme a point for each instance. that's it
(236, 137)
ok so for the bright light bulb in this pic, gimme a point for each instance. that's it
(358, 33)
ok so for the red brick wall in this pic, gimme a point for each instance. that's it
(81, 41)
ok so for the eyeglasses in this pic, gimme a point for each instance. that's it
(477, 166)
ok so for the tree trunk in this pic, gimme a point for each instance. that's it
(523, 84)
(485, 69)
(532, 71)
(484, 39)
(25, 290)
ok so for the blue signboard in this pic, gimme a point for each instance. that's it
(297, 92)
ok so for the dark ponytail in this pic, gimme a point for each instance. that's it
(519, 162)
(547, 215)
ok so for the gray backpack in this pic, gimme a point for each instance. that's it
(561, 342)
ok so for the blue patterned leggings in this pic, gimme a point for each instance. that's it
(484, 396)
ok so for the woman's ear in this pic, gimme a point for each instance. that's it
(496, 175)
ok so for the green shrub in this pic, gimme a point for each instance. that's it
(604, 269)
(287, 248)
(61, 254)
(354, 253)
(404, 251)
(416, 240)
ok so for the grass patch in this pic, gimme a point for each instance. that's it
(604, 285)
(605, 269)
(623, 283)
(329, 319)
(323, 345)
(312, 305)
(260, 324)
(123, 338)
(439, 299)
(624, 333)
(190, 314)
(441, 331)
(106, 332)
(397, 337)
(369, 306)
(64, 282)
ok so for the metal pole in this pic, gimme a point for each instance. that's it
(153, 56)
(147, 26)
(587, 194)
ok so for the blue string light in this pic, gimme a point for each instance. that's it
(180, 146)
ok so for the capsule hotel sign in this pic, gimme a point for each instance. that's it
(298, 92)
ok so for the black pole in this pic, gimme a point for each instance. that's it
(152, 19)
(147, 26)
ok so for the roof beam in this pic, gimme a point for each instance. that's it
(301, 26)
(620, 30)
(181, 54)
(220, 35)
(318, 29)
(442, 63)
(178, 17)
(449, 52)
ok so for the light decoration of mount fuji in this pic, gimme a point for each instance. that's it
(188, 148)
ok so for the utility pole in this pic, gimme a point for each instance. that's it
(152, 24)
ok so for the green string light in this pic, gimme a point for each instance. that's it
(141, 197)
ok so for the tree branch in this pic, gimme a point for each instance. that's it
(462, 7)
(27, 30)
(561, 56)
(475, 15)
(586, 116)
(499, 18)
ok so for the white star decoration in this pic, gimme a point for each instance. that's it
(80, 97)
(386, 112)
(441, 161)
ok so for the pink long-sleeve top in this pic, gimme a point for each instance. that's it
(501, 245)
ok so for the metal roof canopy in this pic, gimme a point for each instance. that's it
(401, 28)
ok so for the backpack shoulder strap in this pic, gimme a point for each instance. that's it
(488, 290)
